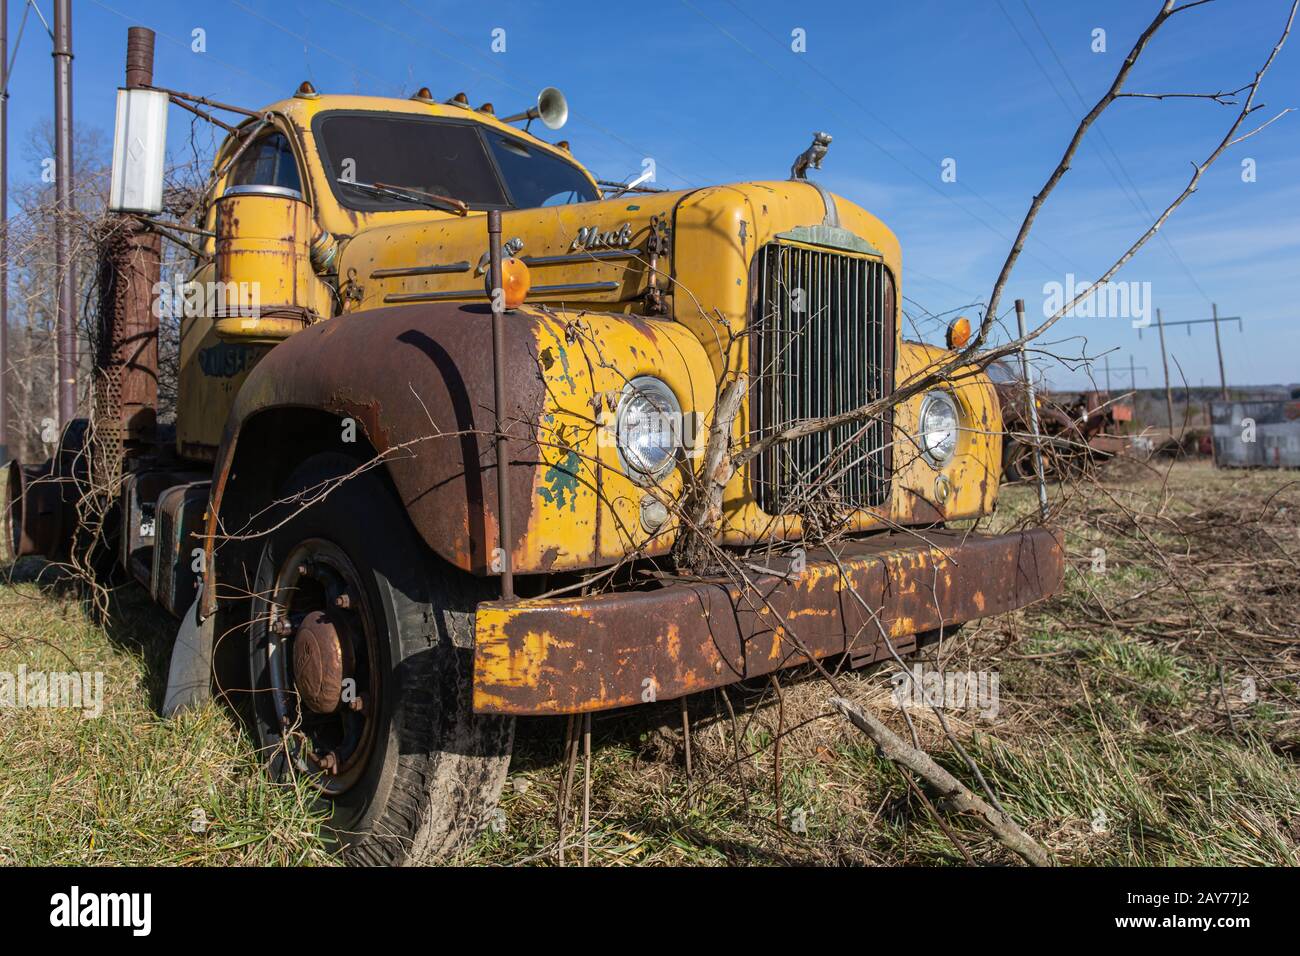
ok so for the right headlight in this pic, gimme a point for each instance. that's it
(648, 427)
(939, 423)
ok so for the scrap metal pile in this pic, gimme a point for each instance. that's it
(1078, 434)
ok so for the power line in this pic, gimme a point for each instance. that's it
(961, 184)
(22, 24)
(505, 83)
(700, 147)
(186, 44)
(308, 43)
(1141, 204)
(922, 179)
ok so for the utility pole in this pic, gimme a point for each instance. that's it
(1133, 369)
(64, 268)
(1218, 346)
(1164, 360)
(4, 231)
(1106, 357)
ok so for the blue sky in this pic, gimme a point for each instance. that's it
(713, 91)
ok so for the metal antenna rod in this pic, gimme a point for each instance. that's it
(1033, 411)
(499, 391)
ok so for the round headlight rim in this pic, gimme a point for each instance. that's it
(929, 399)
(648, 385)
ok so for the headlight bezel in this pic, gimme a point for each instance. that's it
(655, 390)
(928, 404)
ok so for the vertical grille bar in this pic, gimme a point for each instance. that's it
(822, 346)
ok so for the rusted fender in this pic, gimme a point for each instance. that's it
(592, 653)
(417, 381)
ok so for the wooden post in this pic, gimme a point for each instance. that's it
(1218, 347)
(1164, 359)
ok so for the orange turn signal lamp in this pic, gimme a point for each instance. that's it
(958, 332)
(515, 282)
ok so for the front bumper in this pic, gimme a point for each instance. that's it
(574, 655)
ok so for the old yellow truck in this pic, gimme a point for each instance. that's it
(398, 296)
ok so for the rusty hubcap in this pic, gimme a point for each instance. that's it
(322, 659)
(323, 664)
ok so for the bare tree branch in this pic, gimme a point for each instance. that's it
(953, 792)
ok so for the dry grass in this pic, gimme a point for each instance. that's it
(1126, 731)
(1112, 743)
(124, 787)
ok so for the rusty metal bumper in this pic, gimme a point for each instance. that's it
(573, 655)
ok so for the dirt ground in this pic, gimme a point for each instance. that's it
(1149, 714)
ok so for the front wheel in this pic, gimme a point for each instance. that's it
(360, 651)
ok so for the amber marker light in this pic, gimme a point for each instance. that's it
(958, 332)
(515, 282)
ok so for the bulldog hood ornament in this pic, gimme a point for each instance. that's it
(811, 157)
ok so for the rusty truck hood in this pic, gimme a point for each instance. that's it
(596, 255)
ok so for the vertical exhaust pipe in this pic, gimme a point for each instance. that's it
(130, 266)
(64, 269)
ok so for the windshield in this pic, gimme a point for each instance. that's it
(481, 167)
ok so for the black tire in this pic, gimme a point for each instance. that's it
(1017, 460)
(429, 777)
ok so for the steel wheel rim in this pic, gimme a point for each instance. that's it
(317, 592)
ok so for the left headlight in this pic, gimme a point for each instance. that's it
(939, 425)
(648, 427)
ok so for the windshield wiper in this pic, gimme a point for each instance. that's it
(417, 196)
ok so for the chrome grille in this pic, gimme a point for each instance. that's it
(822, 344)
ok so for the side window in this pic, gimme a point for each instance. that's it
(268, 161)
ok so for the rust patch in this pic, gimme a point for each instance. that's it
(420, 375)
(575, 655)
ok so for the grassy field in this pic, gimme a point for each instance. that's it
(1147, 715)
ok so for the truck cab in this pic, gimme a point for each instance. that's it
(289, 194)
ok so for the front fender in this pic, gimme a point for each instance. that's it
(417, 381)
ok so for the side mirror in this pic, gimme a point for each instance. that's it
(139, 151)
